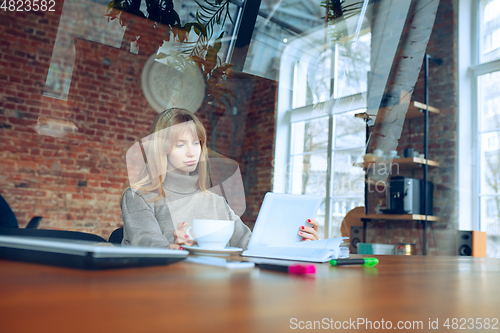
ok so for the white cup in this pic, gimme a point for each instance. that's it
(211, 234)
(378, 152)
(392, 154)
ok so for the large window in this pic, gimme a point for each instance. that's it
(486, 126)
(309, 161)
(327, 87)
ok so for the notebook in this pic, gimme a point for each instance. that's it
(314, 251)
(275, 234)
(84, 255)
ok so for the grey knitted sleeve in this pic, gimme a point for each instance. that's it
(242, 233)
(140, 227)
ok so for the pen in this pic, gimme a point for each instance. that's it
(293, 269)
(367, 262)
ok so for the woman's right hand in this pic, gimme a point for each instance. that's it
(309, 233)
(181, 237)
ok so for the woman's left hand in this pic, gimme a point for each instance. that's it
(309, 233)
(181, 237)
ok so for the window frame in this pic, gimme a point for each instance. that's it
(288, 108)
(304, 113)
(469, 155)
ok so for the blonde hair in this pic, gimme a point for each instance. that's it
(160, 144)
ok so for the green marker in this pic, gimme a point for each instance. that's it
(367, 262)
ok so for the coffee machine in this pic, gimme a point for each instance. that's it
(406, 196)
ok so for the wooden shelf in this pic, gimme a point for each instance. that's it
(415, 107)
(379, 184)
(415, 162)
(406, 163)
(410, 163)
(413, 111)
(401, 217)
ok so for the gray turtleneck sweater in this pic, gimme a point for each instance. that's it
(152, 223)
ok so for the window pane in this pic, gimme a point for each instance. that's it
(490, 30)
(348, 180)
(310, 135)
(319, 76)
(490, 222)
(489, 149)
(320, 217)
(335, 71)
(340, 207)
(353, 66)
(348, 186)
(350, 132)
(308, 174)
(490, 168)
(489, 101)
(269, 38)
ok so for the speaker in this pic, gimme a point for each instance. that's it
(355, 238)
(471, 243)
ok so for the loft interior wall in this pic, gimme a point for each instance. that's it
(75, 182)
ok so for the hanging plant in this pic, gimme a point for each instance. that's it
(163, 16)
(336, 13)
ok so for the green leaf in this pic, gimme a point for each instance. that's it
(161, 56)
(110, 5)
(212, 13)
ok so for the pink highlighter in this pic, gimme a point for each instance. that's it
(297, 269)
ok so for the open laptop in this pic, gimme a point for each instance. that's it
(280, 218)
(85, 255)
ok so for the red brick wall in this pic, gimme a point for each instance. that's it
(75, 181)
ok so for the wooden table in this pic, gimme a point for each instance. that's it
(186, 297)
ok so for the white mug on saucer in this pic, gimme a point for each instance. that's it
(392, 154)
(211, 234)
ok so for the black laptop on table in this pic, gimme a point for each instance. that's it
(84, 255)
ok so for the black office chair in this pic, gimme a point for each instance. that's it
(57, 234)
(34, 222)
(116, 236)
(8, 218)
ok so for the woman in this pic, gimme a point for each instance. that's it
(171, 188)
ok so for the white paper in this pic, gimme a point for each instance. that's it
(315, 251)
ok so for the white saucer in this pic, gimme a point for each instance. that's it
(195, 249)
